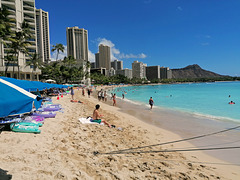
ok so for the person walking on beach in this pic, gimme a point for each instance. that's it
(114, 100)
(105, 96)
(99, 95)
(89, 92)
(96, 117)
(102, 95)
(72, 93)
(151, 102)
(83, 92)
(122, 95)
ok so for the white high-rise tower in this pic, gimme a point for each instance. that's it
(43, 40)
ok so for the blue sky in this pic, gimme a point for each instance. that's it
(170, 33)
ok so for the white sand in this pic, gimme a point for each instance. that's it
(64, 149)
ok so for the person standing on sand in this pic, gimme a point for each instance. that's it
(151, 102)
(72, 93)
(89, 92)
(105, 96)
(114, 100)
(96, 117)
(83, 92)
(102, 95)
(99, 95)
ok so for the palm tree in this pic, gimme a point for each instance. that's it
(35, 62)
(20, 42)
(6, 34)
(69, 61)
(19, 45)
(8, 59)
(5, 24)
(58, 48)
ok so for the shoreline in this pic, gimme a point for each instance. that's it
(189, 125)
(210, 158)
(65, 149)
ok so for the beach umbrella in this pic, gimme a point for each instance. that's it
(15, 100)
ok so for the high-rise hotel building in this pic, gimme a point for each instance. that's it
(117, 65)
(139, 70)
(77, 44)
(77, 47)
(104, 57)
(22, 10)
(43, 40)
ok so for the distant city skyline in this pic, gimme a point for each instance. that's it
(167, 33)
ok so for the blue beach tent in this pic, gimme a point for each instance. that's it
(15, 100)
(32, 85)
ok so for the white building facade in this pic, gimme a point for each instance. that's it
(139, 70)
(20, 10)
(43, 37)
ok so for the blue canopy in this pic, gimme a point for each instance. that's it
(32, 85)
(15, 100)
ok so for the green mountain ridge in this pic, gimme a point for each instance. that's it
(193, 71)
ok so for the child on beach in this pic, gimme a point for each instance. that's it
(96, 117)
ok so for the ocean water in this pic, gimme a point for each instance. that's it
(208, 100)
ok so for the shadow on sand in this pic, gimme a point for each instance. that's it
(4, 175)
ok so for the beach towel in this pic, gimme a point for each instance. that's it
(87, 121)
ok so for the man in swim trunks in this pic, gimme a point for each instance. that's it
(96, 116)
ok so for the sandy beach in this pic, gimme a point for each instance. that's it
(67, 149)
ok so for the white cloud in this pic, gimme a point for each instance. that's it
(205, 44)
(115, 53)
(128, 56)
(207, 36)
(109, 43)
(180, 8)
(91, 56)
(61, 55)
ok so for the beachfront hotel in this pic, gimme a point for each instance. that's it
(153, 72)
(165, 73)
(77, 47)
(103, 61)
(125, 72)
(77, 44)
(97, 61)
(43, 40)
(117, 65)
(24, 10)
(139, 69)
(104, 57)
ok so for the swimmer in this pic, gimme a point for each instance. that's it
(231, 102)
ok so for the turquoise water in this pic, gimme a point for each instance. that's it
(200, 99)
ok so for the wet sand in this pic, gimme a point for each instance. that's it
(187, 126)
